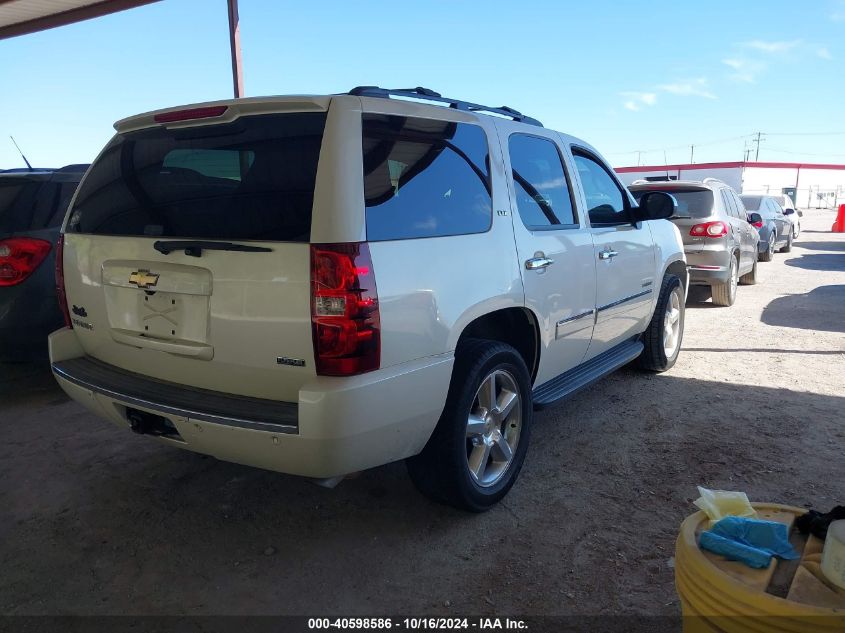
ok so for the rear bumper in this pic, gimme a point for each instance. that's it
(338, 425)
(708, 267)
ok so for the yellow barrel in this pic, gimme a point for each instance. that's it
(720, 596)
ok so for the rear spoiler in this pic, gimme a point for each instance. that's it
(224, 111)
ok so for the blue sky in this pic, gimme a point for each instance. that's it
(625, 76)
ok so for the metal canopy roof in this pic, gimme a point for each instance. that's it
(19, 17)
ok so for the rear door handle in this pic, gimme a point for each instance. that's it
(538, 263)
(608, 254)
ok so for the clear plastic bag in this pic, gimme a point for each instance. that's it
(718, 504)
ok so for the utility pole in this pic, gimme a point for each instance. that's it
(639, 154)
(691, 153)
(757, 140)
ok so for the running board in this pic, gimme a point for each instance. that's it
(585, 374)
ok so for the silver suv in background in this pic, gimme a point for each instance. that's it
(719, 242)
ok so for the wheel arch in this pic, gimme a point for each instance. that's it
(516, 326)
(678, 267)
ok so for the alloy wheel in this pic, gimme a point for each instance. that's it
(672, 324)
(493, 428)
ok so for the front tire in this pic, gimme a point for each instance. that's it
(479, 445)
(665, 332)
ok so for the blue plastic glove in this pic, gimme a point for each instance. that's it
(769, 536)
(734, 550)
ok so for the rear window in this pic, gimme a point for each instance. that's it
(424, 178)
(252, 179)
(17, 198)
(752, 203)
(692, 203)
(31, 205)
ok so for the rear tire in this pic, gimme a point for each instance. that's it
(469, 432)
(725, 294)
(766, 256)
(661, 351)
(788, 247)
(750, 278)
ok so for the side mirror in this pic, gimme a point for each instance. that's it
(800, 214)
(755, 218)
(788, 211)
(655, 205)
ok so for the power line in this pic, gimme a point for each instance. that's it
(684, 146)
(804, 133)
(788, 151)
(755, 139)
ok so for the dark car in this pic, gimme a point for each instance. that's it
(32, 207)
(775, 229)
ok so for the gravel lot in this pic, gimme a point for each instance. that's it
(96, 520)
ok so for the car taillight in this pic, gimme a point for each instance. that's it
(19, 257)
(709, 229)
(757, 225)
(344, 309)
(60, 279)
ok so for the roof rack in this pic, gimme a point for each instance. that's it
(430, 95)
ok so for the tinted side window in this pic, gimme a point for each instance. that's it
(730, 208)
(740, 208)
(540, 182)
(424, 178)
(605, 202)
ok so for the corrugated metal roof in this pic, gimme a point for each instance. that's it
(19, 17)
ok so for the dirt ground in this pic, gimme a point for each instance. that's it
(96, 520)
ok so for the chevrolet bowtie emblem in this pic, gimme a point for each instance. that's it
(143, 279)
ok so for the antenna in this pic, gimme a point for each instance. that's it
(20, 152)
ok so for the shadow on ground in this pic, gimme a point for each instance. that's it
(22, 380)
(100, 521)
(821, 309)
(819, 261)
(765, 350)
(821, 246)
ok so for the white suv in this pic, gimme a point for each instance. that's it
(320, 285)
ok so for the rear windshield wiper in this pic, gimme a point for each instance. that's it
(194, 248)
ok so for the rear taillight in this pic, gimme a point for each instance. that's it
(19, 257)
(757, 225)
(344, 309)
(60, 279)
(709, 229)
